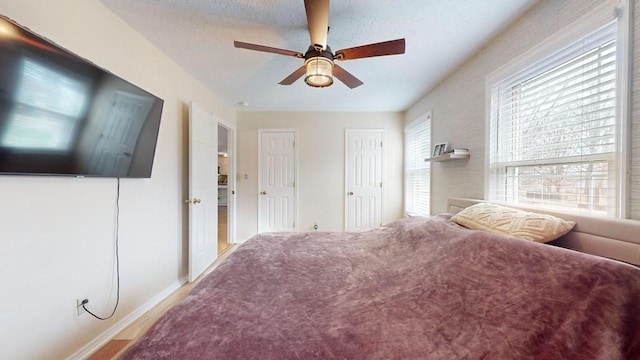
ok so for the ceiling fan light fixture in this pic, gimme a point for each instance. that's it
(319, 71)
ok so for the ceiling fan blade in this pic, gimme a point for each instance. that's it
(318, 21)
(269, 49)
(294, 76)
(392, 47)
(346, 77)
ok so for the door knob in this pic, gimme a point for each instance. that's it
(193, 201)
(263, 193)
(350, 193)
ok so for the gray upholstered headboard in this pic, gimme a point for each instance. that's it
(611, 238)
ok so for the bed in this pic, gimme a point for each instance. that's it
(417, 288)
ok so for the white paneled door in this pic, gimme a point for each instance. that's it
(118, 139)
(203, 190)
(277, 181)
(363, 183)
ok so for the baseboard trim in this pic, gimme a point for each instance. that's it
(95, 344)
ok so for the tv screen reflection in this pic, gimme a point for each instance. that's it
(60, 114)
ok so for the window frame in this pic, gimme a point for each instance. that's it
(425, 170)
(600, 16)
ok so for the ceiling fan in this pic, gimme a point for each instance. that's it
(319, 66)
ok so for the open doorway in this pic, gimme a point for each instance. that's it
(225, 188)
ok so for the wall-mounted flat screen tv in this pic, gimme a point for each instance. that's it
(62, 115)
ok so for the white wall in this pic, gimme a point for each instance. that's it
(635, 113)
(458, 102)
(57, 233)
(320, 144)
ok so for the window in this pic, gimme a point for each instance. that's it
(555, 128)
(417, 170)
(44, 120)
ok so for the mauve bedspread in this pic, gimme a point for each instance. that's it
(416, 289)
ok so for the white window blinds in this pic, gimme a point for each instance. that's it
(553, 129)
(417, 170)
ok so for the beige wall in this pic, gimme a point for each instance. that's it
(57, 233)
(458, 102)
(320, 145)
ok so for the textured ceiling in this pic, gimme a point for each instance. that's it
(199, 35)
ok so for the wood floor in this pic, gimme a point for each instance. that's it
(223, 245)
(134, 331)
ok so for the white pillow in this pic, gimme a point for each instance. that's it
(512, 222)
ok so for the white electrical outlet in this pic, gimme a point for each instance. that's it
(79, 309)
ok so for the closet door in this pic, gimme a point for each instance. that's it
(277, 178)
(363, 183)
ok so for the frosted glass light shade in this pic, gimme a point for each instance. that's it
(319, 72)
